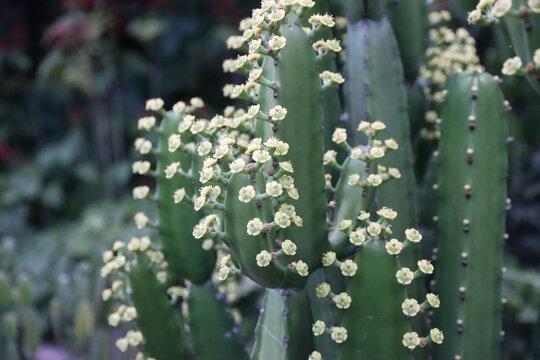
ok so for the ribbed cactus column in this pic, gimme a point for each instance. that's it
(472, 197)
(213, 332)
(184, 253)
(283, 331)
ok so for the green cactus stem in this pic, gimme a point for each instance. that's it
(409, 21)
(184, 253)
(374, 321)
(472, 199)
(214, 334)
(283, 331)
(159, 324)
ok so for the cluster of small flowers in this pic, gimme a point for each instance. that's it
(449, 52)
(488, 12)
(514, 66)
(411, 339)
(374, 150)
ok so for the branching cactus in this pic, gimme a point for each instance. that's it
(522, 20)
(246, 193)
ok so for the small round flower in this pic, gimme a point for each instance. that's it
(411, 340)
(274, 189)
(254, 45)
(378, 125)
(363, 216)
(254, 74)
(413, 235)
(141, 192)
(146, 123)
(286, 166)
(106, 294)
(282, 219)
(196, 102)
(199, 230)
(179, 107)
(254, 227)
(358, 236)
(377, 152)
(114, 319)
(204, 148)
(293, 194)
(221, 151)
(172, 169)
(344, 224)
(425, 266)
(302, 268)
(174, 142)
(154, 104)
(141, 220)
(263, 258)
(122, 344)
(391, 144)
(374, 229)
(433, 300)
(404, 276)
(348, 268)
(209, 162)
(322, 290)
(474, 16)
(339, 136)
(436, 335)
(353, 179)
(387, 213)
(178, 195)
(410, 307)
(206, 175)
(536, 57)
(511, 66)
(338, 334)
(501, 7)
(393, 172)
(186, 123)
(315, 356)
(129, 313)
(374, 180)
(288, 247)
(394, 247)
(342, 301)
(318, 328)
(223, 273)
(143, 146)
(356, 153)
(329, 157)
(140, 167)
(261, 156)
(277, 113)
(237, 165)
(277, 42)
(235, 42)
(144, 243)
(246, 194)
(328, 258)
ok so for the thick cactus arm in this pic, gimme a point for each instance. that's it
(283, 331)
(184, 253)
(214, 334)
(159, 325)
(472, 197)
(375, 322)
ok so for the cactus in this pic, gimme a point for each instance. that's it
(471, 211)
(522, 22)
(280, 193)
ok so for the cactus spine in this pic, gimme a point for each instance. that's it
(471, 211)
